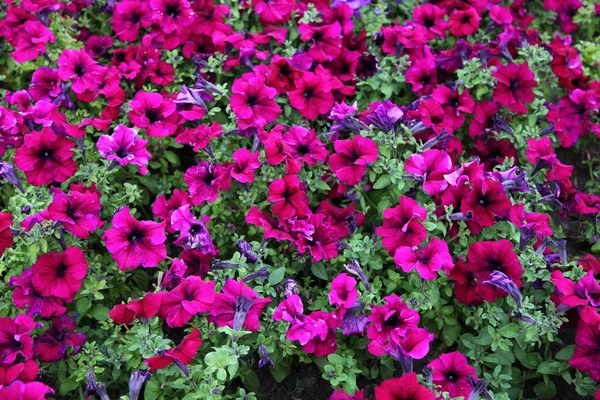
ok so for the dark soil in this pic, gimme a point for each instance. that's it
(304, 383)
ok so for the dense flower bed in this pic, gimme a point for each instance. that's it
(200, 197)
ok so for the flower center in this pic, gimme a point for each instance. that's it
(172, 10)
(79, 70)
(514, 85)
(122, 153)
(46, 154)
(309, 93)
(135, 236)
(61, 270)
(451, 377)
(252, 100)
(303, 149)
(152, 115)
(135, 18)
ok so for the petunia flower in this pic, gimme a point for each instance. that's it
(192, 296)
(406, 387)
(245, 165)
(226, 306)
(181, 355)
(29, 390)
(431, 258)
(134, 243)
(26, 297)
(513, 89)
(451, 372)
(15, 340)
(431, 166)
(586, 357)
(60, 274)
(125, 147)
(193, 233)
(54, 344)
(401, 226)
(154, 113)
(343, 291)
(253, 102)
(205, 180)
(351, 158)
(80, 69)
(45, 157)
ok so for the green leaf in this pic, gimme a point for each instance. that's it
(250, 380)
(276, 276)
(83, 305)
(382, 182)
(549, 367)
(280, 371)
(566, 353)
(100, 312)
(152, 390)
(68, 385)
(319, 271)
(500, 357)
(545, 390)
(596, 247)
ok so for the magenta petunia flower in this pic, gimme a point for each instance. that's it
(312, 96)
(393, 315)
(14, 338)
(46, 157)
(489, 256)
(431, 258)
(26, 297)
(351, 158)
(401, 226)
(586, 357)
(513, 89)
(406, 387)
(189, 298)
(125, 147)
(6, 236)
(128, 17)
(54, 344)
(154, 113)
(451, 372)
(205, 180)
(32, 39)
(181, 355)
(245, 165)
(574, 294)
(485, 201)
(144, 308)
(343, 291)
(163, 208)
(193, 233)
(464, 22)
(238, 305)
(133, 243)
(319, 235)
(78, 211)
(289, 197)
(22, 372)
(25, 391)
(323, 345)
(253, 102)
(60, 274)
(80, 69)
(304, 145)
(431, 166)
(326, 40)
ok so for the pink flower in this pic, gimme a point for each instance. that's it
(157, 115)
(238, 300)
(163, 208)
(451, 372)
(79, 68)
(401, 226)
(45, 84)
(289, 197)
(206, 180)
(32, 41)
(253, 102)
(14, 338)
(586, 357)
(574, 294)
(46, 157)
(59, 341)
(189, 298)
(394, 315)
(351, 158)
(78, 211)
(60, 274)
(304, 145)
(320, 237)
(514, 85)
(182, 354)
(431, 166)
(326, 39)
(125, 147)
(245, 164)
(6, 237)
(25, 391)
(133, 243)
(406, 387)
(312, 96)
(323, 345)
(193, 233)
(26, 297)
(343, 291)
(427, 261)
(127, 19)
